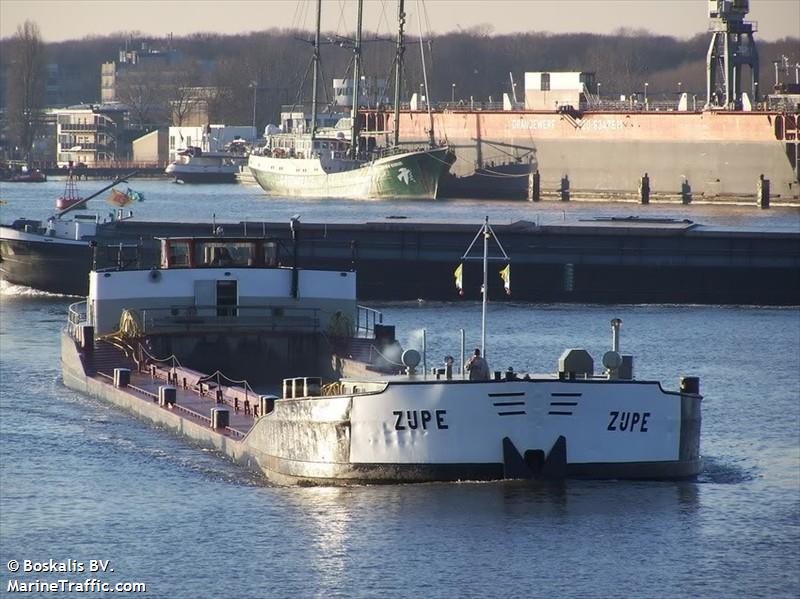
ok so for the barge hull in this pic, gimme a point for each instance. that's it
(312, 446)
(52, 267)
(622, 262)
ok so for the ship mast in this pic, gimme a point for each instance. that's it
(398, 74)
(316, 76)
(487, 233)
(354, 149)
(431, 137)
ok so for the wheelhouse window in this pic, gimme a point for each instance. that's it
(224, 253)
(177, 254)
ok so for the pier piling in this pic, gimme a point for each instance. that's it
(762, 192)
(564, 190)
(534, 186)
(686, 192)
(644, 189)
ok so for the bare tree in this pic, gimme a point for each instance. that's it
(183, 94)
(145, 90)
(26, 87)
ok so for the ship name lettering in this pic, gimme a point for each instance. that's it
(533, 124)
(414, 419)
(628, 421)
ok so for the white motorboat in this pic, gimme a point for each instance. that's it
(194, 165)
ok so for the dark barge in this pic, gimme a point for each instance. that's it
(601, 261)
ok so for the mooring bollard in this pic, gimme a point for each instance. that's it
(644, 189)
(266, 403)
(220, 417)
(534, 186)
(564, 188)
(762, 192)
(166, 396)
(87, 337)
(122, 377)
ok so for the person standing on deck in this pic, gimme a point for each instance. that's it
(478, 367)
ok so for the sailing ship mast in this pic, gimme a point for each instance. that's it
(431, 137)
(398, 74)
(354, 149)
(316, 76)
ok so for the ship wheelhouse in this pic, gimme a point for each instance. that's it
(216, 252)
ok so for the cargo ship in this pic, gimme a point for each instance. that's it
(602, 147)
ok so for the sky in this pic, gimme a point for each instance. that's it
(60, 20)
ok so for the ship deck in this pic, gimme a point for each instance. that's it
(193, 400)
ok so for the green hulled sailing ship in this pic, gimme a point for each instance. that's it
(317, 165)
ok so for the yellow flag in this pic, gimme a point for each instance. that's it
(505, 274)
(458, 274)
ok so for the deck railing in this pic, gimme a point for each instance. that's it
(367, 318)
(76, 318)
(206, 317)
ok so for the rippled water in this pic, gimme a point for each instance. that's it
(172, 202)
(82, 480)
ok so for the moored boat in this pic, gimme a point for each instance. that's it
(313, 164)
(193, 165)
(326, 173)
(55, 255)
(20, 173)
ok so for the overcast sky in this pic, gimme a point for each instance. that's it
(73, 19)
